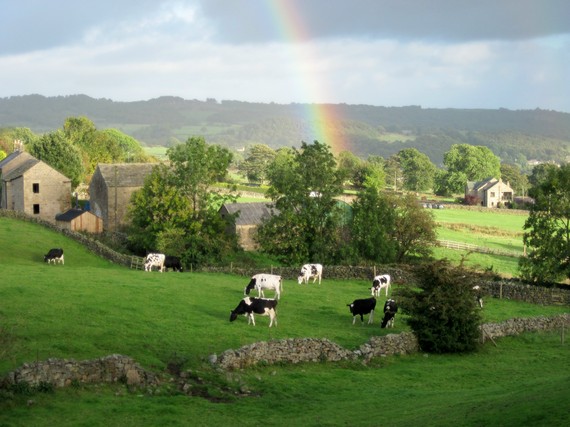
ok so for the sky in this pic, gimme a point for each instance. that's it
(490, 54)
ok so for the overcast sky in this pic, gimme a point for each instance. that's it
(511, 54)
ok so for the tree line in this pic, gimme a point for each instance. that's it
(177, 209)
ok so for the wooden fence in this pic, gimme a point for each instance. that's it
(474, 248)
(137, 262)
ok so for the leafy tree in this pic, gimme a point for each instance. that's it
(128, 149)
(2, 154)
(418, 170)
(350, 166)
(516, 179)
(386, 228)
(303, 184)
(255, 165)
(177, 209)
(373, 174)
(464, 163)
(156, 207)
(394, 172)
(540, 173)
(196, 166)
(547, 235)
(414, 228)
(372, 226)
(443, 313)
(9, 135)
(55, 149)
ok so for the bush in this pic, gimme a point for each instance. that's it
(443, 312)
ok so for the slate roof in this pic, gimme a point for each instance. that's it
(69, 215)
(128, 174)
(20, 170)
(249, 213)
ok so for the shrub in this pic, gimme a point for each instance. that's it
(443, 312)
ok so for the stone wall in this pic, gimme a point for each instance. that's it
(117, 368)
(62, 373)
(322, 350)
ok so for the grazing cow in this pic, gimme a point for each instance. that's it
(380, 282)
(250, 306)
(308, 271)
(154, 260)
(55, 255)
(172, 262)
(390, 310)
(263, 281)
(478, 295)
(360, 307)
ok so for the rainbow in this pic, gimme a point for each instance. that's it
(323, 119)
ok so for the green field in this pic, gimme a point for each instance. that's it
(90, 308)
(499, 230)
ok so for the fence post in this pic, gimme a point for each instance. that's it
(501, 290)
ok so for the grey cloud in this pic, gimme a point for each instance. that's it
(436, 20)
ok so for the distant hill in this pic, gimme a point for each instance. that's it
(514, 136)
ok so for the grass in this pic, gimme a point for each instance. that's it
(494, 229)
(90, 308)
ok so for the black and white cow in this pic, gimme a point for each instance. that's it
(55, 255)
(308, 271)
(380, 282)
(172, 262)
(360, 307)
(250, 306)
(262, 281)
(154, 260)
(478, 295)
(390, 310)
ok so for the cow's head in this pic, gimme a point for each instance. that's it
(233, 315)
(249, 286)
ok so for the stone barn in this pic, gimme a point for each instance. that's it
(31, 186)
(79, 220)
(492, 192)
(248, 216)
(111, 188)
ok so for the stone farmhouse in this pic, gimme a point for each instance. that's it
(111, 188)
(492, 192)
(31, 186)
(248, 216)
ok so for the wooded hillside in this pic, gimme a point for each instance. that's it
(514, 136)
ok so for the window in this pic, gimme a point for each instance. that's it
(36, 209)
(492, 194)
(36, 187)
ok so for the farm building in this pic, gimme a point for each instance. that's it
(79, 220)
(492, 192)
(31, 186)
(111, 188)
(248, 216)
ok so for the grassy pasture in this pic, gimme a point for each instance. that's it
(91, 308)
(493, 228)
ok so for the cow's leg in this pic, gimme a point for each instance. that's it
(371, 317)
(353, 320)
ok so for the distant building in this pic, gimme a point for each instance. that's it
(111, 188)
(31, 186)
(492, 192)
(249, 217)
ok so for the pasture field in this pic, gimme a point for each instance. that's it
(90, 308)
(496, 229)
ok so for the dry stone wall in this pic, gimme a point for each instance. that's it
(61, 372)
(316, 350)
